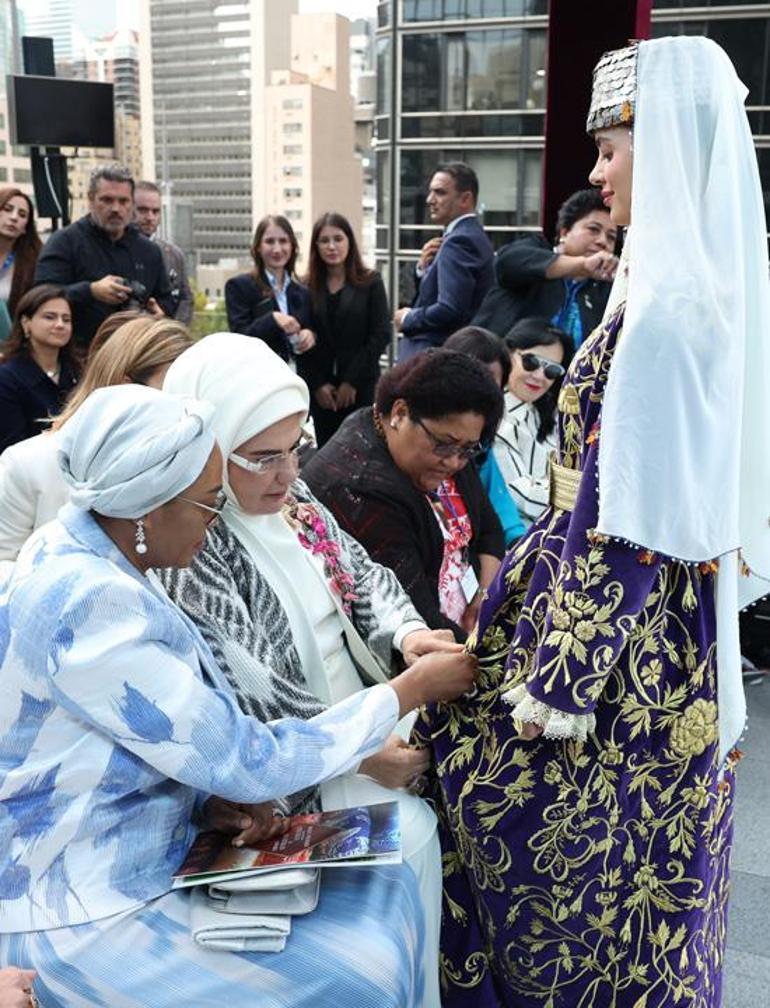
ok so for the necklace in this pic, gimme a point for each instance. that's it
(54, 375)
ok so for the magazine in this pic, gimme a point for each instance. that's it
(364, 835)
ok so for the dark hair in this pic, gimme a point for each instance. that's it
(531, 332)
(464, 177)
(439, 383)
(483, 345)
(259, 267)
(148, 187)
(26, 249)
(577, 206)
(355, 272)
(109, 173)
(17, 344)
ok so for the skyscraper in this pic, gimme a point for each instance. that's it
(204, 69)
(56, 20)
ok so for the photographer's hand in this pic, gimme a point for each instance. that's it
(110, 289)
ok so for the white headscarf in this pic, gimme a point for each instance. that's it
(128, 449)
(250, 387)
(684, 467)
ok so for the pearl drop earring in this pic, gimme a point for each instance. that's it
(141, 545)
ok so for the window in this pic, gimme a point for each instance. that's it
(457, 10)
(294, 171)
(292, 194)
(294, 214)
(3, 174)
(22, 175)
(292, 103)
(292, 148)
(384, 67)
(502, 68)
(292, 127)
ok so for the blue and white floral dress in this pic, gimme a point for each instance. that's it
(115, 725)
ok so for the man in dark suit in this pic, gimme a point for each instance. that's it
(455, 271)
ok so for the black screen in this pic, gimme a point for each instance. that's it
(55, 112)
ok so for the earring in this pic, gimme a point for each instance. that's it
(141, 545)
(394, 425)
(631, 141)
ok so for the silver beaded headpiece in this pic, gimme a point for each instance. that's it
(613, 98)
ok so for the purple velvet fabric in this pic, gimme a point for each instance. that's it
(586, 875)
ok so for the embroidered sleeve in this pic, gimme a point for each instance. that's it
(556, 724)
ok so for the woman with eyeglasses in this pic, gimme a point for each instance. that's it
(122, 739)
(540, 355)
(400, 478)
(351, 319)
(296, 613)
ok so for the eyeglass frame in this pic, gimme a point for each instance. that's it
(444, 449)
(264, 464)
(543, 364)
(216, 511)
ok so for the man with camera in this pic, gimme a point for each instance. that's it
(103, 259)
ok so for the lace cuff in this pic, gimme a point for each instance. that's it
(556, 724)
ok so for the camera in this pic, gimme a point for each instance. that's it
(138, 297)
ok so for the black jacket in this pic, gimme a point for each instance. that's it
(521, 289)
(28, 396)
(81, 253)
(250, 311)
(348, 345)
(372, 499)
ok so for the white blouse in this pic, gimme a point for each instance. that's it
(523, 460)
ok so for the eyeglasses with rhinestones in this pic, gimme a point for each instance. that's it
(446, 449)
(274, 461)
(219, 504)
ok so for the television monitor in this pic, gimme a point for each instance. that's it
(58, 112)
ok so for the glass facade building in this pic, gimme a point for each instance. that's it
(465, 80)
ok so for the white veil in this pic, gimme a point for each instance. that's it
(684, 459)
(684, 453)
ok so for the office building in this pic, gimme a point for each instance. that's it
(465, 79)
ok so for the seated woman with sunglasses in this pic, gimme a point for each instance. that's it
(397, 477)
(540, 355)
(294, 610)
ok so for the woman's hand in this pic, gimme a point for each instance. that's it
(326, 397)
(471, 614)
(436, 676)
(422, 642)
(154, 309)
(286, 322)
(249, 823)
(305, 341)
(16, 987)
(346, 395)
(397, 764)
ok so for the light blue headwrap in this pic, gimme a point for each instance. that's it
(128, 449)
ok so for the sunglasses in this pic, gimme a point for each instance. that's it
(531, 362)
(445, 449)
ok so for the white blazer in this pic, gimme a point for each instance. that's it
(31, 492)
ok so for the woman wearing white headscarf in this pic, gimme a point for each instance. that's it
(116, 726)
(589, 849)
(296, 613)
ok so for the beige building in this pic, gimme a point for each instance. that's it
(312, 166)
(246, 110)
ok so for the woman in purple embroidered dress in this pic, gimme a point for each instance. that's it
(585, 787)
